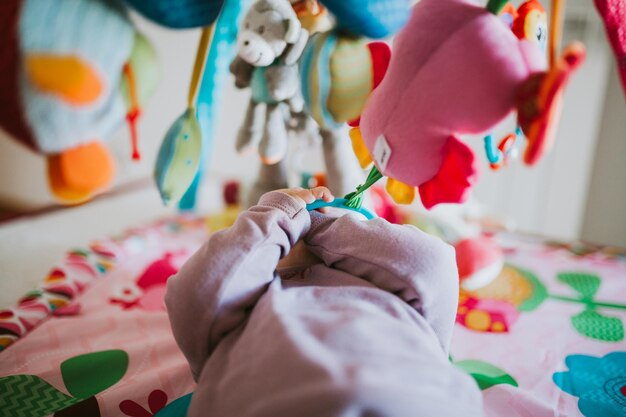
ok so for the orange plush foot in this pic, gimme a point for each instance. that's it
(77, 174)
(539, 102)
(456, 176)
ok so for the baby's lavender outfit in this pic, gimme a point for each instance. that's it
(365, 333)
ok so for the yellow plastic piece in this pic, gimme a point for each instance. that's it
(203, 49)
(400, 192)
(223, 220)
(65, 76)
(359, 148)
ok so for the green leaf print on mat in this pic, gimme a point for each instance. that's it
(539, 292)
(597, 326)
(84, 376)
(89, 374)
(29, 396)
(589, 323)
(485, 374)
(585, 284)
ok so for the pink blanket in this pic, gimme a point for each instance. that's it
(545, 339)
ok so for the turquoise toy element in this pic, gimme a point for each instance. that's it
(374, 19)
(340, 203)
(179, 14)
(211, 90)
(258, 85)
(179, 157)
(498, 155)
(494, 156)
(323, 75)
(177, 408)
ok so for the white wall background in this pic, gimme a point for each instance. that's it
(549, 199)
(605, 216)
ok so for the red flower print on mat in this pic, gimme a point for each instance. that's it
(485, 315)
(157, 400)
(149, 289)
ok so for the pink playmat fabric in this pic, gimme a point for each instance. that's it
(546, 338)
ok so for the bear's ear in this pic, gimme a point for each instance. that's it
(294, 51)
(293, 30)
(262, 6)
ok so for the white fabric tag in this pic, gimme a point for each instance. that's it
(382, 152)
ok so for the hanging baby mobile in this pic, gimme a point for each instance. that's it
(75, 69)
(186, 148)
(272, 47)
(457, 69)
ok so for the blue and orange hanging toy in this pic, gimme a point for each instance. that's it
(73, 71)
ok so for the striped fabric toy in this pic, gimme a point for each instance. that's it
(337, 75)
(339, 69)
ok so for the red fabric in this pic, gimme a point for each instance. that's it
(132, 117)
(11, 115)
(381, 57)
(456, 176)
(613, 13)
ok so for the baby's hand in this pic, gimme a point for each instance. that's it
(309, 196)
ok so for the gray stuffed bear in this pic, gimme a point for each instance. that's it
(269, 45)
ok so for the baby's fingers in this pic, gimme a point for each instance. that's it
(322, 193)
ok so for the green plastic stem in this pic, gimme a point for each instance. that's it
(355, 198)
(495, 6)
(589, 303)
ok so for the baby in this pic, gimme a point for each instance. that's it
(291, 313)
